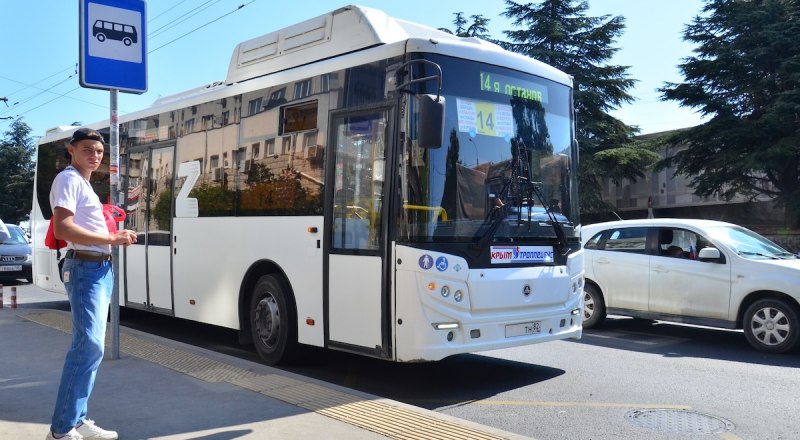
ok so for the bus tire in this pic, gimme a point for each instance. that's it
(272, 320)
(101, 37)
(127, 41)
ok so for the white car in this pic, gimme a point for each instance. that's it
(696, 272)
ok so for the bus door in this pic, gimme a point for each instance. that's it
(356, 302)
(148, 262)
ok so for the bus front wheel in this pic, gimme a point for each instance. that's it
(272, 320)
(101, 37)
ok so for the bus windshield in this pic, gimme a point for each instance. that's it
(506, 166)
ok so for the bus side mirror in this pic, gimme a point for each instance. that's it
(430, 121)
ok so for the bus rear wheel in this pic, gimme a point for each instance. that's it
(272, 320)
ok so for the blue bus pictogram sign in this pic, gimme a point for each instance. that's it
(113, 45)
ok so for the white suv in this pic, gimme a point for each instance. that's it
(693, 271)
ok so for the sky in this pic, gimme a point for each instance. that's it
(190, 43)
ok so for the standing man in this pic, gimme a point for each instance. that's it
(88, 278)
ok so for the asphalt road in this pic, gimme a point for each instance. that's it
(629, 379)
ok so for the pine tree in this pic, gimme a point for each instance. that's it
(478, 28)
(558, 33)
(745, 76)
(16, 173)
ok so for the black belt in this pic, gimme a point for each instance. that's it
(88, 255)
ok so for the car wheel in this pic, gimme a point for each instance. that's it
(771, 325)
(594, 307)
(272, 320)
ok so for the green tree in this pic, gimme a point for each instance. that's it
(559, 33)
(745, 76)
(478, 28)
(16, 172)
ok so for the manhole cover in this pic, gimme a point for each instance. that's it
(678, 421)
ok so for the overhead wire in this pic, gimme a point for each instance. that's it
(191, 13)
(165, 11)
(200, 27)
(64, 95)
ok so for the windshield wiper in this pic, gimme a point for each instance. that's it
(562, 237)
(520, 172)
(757, 254)
(495, 215)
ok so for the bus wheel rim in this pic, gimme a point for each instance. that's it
(267, 321)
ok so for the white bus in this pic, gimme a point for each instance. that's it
(357, 182)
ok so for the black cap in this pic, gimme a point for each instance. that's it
(86, 133)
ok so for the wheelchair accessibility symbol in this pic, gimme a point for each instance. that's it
(441, 264)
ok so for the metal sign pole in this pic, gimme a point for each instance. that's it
(112, 65)
(113, 169)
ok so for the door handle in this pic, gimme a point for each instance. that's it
(603, 261)
(660, 269)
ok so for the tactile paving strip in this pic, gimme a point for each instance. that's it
(379, 417)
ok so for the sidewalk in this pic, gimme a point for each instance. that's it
(162, 389)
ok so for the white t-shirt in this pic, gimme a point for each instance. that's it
(71, 191)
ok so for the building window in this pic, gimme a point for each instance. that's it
(310, 139)
(241, 153)
(214, 161)
(276, 98)
(188, 126)
(226, 117)
(277, 95)
(255, 150)
(326, 83)
(269, 146)
(208, 122)
(300, 117)
(286, 145)
(254, 106)
(302, 89)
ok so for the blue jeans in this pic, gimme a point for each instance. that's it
(89, 285)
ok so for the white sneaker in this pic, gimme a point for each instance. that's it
(88, 430)
(71, 435)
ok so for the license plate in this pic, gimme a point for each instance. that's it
(526, 328)
(10, 268)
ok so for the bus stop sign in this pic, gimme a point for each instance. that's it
(113, 49)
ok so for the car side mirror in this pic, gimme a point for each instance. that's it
(708, 254)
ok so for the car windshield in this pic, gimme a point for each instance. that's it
(748, 244)
(17, 236)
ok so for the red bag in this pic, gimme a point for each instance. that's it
(50, 239)
(113, 215)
